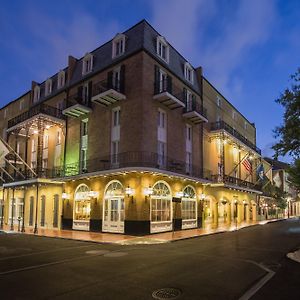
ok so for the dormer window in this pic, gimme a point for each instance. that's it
(233, 115)
(36, 93)
(61, 77)
(245, 125)
(118, 45)
(219, 101)
(188, 72)
(48, 87)
(162, 48)
(87, 64)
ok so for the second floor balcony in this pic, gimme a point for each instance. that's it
(40, 110)
(168, 95)
(221, 125)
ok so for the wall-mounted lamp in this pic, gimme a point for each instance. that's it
(35, 132)
(202, 196)
(93, 194)
(148, 192)
(179, 194)
(223, 201)
(65, 196)
(129, 192)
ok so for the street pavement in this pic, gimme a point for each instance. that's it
(229, 265)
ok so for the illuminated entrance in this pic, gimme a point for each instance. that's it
(161, 208)
(114, 208)
(82, 208)
(189, 208)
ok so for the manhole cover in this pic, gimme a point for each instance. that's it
(95, 252)
(166, 293)
(115, 254)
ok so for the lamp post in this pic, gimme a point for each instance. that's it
(12, 211)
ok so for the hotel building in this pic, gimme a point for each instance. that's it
(130, 138)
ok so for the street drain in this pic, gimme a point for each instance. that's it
(166, 293)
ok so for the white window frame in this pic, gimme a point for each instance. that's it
(118, 41)
(116, 116)
(161, 119)
(48, 87)
(61, 79)
(58, 137)
(162, 42)
(245, 125)
(36, 93)
(87, 64)
(21, 105)
(219, 101)
(233, 115)
(188, 72)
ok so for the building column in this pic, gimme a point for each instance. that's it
(228, 212)
(23, 213)
(215, 213)
(36, 209)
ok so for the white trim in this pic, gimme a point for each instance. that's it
(161, 40)
(61, 79)
(88, 58)
(118, 38)
(188, 67)
(48, 87)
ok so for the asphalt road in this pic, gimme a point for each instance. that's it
(220, 266)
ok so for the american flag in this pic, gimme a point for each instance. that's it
(247, 164)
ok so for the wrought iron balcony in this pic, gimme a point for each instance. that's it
(168, 95)
(76, 106)
(33, 111)
(107, 92)
(221, 125)
(234, 181)
(195, 112)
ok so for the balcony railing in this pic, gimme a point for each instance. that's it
(235, 181)
(168, 94)
(35, 110)
(107, 92)
(195, 112)
(221, 125)
(76, 106)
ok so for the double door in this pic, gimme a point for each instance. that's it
(113, 215)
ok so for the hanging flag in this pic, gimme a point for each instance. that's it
(260, 172)
(247, 164)
(3, 152)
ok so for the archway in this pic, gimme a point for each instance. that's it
(161, 208)
(114, 207)
(189, 208)
(82, 208)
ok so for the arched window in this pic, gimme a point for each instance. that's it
(82, 207)
(161, 201)
(114, 188)
(189, 201)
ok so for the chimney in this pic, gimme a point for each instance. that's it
(71, 66)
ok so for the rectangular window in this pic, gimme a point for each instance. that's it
(233, 115)
(84, 127)
(43, 210)
(115, 152)
(161, 153)
(45, 163)
(21, 104)
(31, 205)
(189, 100)
(162, 81)
(218, 101)
(188, 132)
(116, 117)
(188, 162)
(161, 119)
(83, 160)
(85, 93)
(46, 141)
(58, 137)
(18, 147)
(33, 145)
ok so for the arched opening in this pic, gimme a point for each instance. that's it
(189, 208)
(82, 208)
(161, 208)
(114, 207)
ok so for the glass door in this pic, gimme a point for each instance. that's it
(114, 215)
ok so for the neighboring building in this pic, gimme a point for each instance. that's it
(130, 139)
(281, 180)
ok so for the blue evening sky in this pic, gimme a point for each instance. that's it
(248, 48)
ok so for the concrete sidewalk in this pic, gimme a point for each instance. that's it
(122, 239)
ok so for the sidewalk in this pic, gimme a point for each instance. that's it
(121, 239)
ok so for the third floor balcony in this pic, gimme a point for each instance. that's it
(221, 125)
(77, 106)
(195, 112)
(167, 94)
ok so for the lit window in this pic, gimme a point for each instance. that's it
(46, 141)
(118, 45)
(58, 137)
(48, 87)
(36, 93)
(162, 48)
(87, 64)
(61, 77)
(84, 127)
(188, 72)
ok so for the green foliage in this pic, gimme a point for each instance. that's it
(294, 174)
(279, 196)
(289, 133)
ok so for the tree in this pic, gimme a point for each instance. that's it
(289, 132)
(278, 195)
(294, 174)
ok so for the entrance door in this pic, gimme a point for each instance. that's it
(113, 220)
(55, 211)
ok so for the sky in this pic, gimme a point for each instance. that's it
(248, 48)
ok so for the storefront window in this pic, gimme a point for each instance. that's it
(161, 203)
(188, 206)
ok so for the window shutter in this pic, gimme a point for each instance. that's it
(122, 79)
(109, 79)
(185, 95)
(79, 93)
(156, 79)
(169, 84)
(193, 101)
(90, 91)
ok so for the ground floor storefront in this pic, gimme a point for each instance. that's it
(129, 202)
